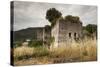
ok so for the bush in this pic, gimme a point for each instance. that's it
(91, 28)
(17, 44)
(35, 43)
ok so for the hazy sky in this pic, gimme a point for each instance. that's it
(32, 14)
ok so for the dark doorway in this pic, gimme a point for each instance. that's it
(69, 34)
(74, 35)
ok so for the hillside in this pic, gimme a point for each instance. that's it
(29, 33)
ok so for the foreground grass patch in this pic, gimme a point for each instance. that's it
(82, 51)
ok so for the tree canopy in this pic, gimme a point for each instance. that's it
(91, 28)
(71, 18)
(52, 15)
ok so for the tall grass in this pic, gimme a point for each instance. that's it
(84, 50)
(23, 52)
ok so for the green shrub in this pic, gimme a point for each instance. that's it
(17, 44)
(35, 43)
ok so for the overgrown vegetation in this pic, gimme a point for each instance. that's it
(17, 44)
(73, 19)
(52, 15)
(82, 51)
(35, 43)
(90, 30)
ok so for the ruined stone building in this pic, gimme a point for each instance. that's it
(65, 32)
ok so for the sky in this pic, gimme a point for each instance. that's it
(32, 14)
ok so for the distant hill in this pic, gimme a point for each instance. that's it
(29, 33)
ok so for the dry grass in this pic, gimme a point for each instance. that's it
(78, 49)
(82, 51)
(22, 52)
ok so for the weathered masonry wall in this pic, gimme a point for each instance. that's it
(55, 33)
(66, 32)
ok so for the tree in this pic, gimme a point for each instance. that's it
(71, 18)
(52, 15)
(91, 28)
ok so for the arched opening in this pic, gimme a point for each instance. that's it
(70, 35)
(74, 35)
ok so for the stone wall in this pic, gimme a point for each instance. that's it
(39, 34)
(66, 32)
(54, 33)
